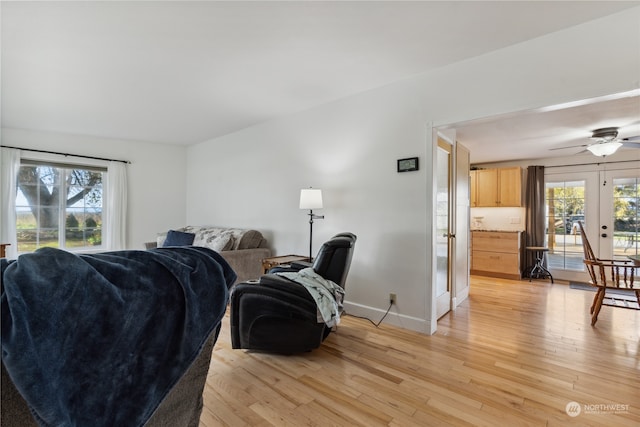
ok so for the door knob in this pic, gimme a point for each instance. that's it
(604, 227)
(603, 235)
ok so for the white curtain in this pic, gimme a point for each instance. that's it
(116, 213)
(9, 166)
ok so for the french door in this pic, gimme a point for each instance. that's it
(606, 202)
(619, 214)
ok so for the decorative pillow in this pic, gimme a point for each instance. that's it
(191, 229)
(178, 238)
(218, 239)
(250, 239)
(223, 241)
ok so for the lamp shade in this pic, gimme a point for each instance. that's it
(310, 198)
(604, 148)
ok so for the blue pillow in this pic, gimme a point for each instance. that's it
(178, 238)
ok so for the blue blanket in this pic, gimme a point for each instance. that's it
(99, 340)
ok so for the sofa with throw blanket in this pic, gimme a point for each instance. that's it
(243, 249)
(119, 338)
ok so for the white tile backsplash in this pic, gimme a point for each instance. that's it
(510, 219)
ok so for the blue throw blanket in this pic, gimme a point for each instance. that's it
(99, 340)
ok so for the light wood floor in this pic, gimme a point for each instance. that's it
(515, 353)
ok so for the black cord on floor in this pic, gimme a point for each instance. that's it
(366, 318)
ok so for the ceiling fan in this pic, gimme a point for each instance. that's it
(606, 142)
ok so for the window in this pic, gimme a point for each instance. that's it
(59, 206)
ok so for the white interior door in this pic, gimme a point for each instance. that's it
(443, 227)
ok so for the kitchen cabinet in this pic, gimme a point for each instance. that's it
(501, 187)
(496, 253)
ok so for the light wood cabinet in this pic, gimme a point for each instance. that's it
(487, 187)
(500, 187)
(496, 254)
(510, 186)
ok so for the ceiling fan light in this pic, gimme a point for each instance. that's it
(604, 148)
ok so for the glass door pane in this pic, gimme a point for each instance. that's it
(565, 206)
(443, 228)
(626, 216)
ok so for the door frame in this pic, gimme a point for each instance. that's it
(459, 265)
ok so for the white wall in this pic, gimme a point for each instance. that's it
(156, 175)
(349, 149)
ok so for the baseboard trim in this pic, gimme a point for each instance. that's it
(461, 297)
(393, 318)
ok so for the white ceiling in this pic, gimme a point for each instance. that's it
(185, 72)
(555, 131)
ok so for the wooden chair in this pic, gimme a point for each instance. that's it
(607, 274)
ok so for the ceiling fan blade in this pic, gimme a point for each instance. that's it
(631, 139)
(630, 144)
(571, 146)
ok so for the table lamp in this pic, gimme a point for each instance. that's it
(311, 198)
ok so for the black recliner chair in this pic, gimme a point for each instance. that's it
(280, 316)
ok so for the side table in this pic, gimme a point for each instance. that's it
(282, 261)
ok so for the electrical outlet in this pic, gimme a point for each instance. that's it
(392, 298)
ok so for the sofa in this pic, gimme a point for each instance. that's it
(117, 338)
(243, 249)
(181, 407)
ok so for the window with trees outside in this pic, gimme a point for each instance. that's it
(626, 216)
(59, 206)
(565, 204)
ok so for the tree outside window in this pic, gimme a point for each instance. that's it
(626, 195)
(59, 207)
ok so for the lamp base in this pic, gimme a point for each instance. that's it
(312, 216)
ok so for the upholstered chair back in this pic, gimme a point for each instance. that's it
(334, 258)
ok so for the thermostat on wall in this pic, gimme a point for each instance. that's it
(408, 164)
